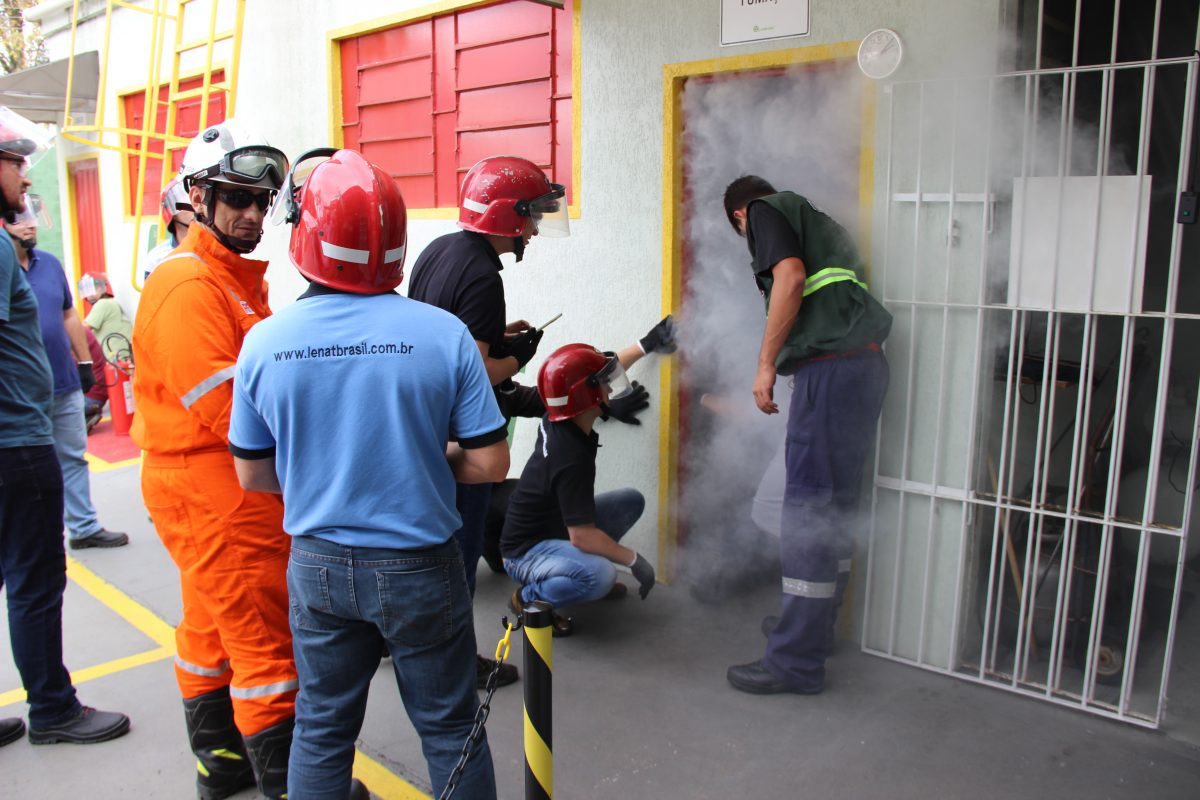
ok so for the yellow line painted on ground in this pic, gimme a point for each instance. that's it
(125, 606)
(99, 671)
(97, 464)
(383, 782)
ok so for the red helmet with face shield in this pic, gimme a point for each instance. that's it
(578, 377)
(501, 192)
(350, 227)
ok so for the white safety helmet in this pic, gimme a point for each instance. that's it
(229, 152)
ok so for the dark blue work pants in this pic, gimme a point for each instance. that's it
(831, 423)
(471, 499)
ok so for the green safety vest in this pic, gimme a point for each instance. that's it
(838, 314)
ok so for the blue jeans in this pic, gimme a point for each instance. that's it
(70, 442)
(33, 565)
(558, 572)
(347, 604)
(471, 500)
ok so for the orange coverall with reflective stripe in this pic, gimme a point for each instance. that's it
(229, 544)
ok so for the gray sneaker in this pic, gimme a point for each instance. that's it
(101, 538)
(87, 727)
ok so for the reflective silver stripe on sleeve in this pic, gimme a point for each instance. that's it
(196, 669)
(207, 385)
(475, 205)
(817, 591)
(251, 692)
(845, 564)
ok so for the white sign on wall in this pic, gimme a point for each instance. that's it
(745, 21)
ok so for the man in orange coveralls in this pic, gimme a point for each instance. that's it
(234, 649)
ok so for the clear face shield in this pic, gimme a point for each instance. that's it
(35, 213)
(21, 138)
(549, 212)
(287, 203)
(612, 377)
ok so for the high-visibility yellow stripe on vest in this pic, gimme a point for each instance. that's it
(823, 278)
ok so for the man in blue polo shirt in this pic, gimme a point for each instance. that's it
(343, 403)
(71, 363)
(33, 567)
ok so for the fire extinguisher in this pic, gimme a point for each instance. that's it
(118, 377)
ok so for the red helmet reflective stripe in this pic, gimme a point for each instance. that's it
(563, 381)
(352, 228)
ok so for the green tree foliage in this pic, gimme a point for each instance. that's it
(21, 44)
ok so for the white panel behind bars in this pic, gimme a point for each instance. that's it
(1063, 228)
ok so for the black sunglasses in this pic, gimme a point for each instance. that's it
(243, 198)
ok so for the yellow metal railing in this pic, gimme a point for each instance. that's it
(114, 137)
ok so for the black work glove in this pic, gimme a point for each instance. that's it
(626, 409)
(644, 573)
(661, 338)
(516, 400)
(524, 345)
(87, 378)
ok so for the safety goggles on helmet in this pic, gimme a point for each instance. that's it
(243, 198)
(612, 375)
(549, 212)
(35, 213)
(259, 165)
(287, 205)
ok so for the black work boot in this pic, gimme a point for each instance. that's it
(268, 751)
(222, 767)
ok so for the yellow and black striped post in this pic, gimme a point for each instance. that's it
(538, 620)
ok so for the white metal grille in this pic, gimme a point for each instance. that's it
(1037, 464)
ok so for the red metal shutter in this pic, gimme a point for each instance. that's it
(427, 100)
(89, 222)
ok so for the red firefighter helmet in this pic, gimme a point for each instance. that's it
(501, 192)
(574, 378)
(351, 230)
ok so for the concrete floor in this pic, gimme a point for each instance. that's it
(642, 709)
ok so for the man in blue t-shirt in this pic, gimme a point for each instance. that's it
(71, 364)
(343, 403)
(33, 568)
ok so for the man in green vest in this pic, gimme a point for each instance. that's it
(824, 330)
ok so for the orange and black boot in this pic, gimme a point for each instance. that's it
(268, 750)
(222, 766)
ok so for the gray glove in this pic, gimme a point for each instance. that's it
(644, 573)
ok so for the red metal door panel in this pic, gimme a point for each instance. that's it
(400, 81)
(445, 63)
(521, 104)
(532, 143)
(417, 191)
(405, 157)
(405, 41)
(501, 21)
(89, 223)
(396, 120)
(506, 62)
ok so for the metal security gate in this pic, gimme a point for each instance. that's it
(1037, 462)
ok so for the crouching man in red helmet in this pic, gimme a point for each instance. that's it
(343, 402)
(561, 540)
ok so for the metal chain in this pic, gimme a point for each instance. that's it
(485, 708)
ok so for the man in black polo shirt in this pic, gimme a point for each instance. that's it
(825, 330)
(560, 541)
(504, 202)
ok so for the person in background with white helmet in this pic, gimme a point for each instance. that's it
(106, 317)
(504, 202)
(560, 540)
(177, 217)
(234, 659)
(33, 565)
(343, 402)
(71, 362)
